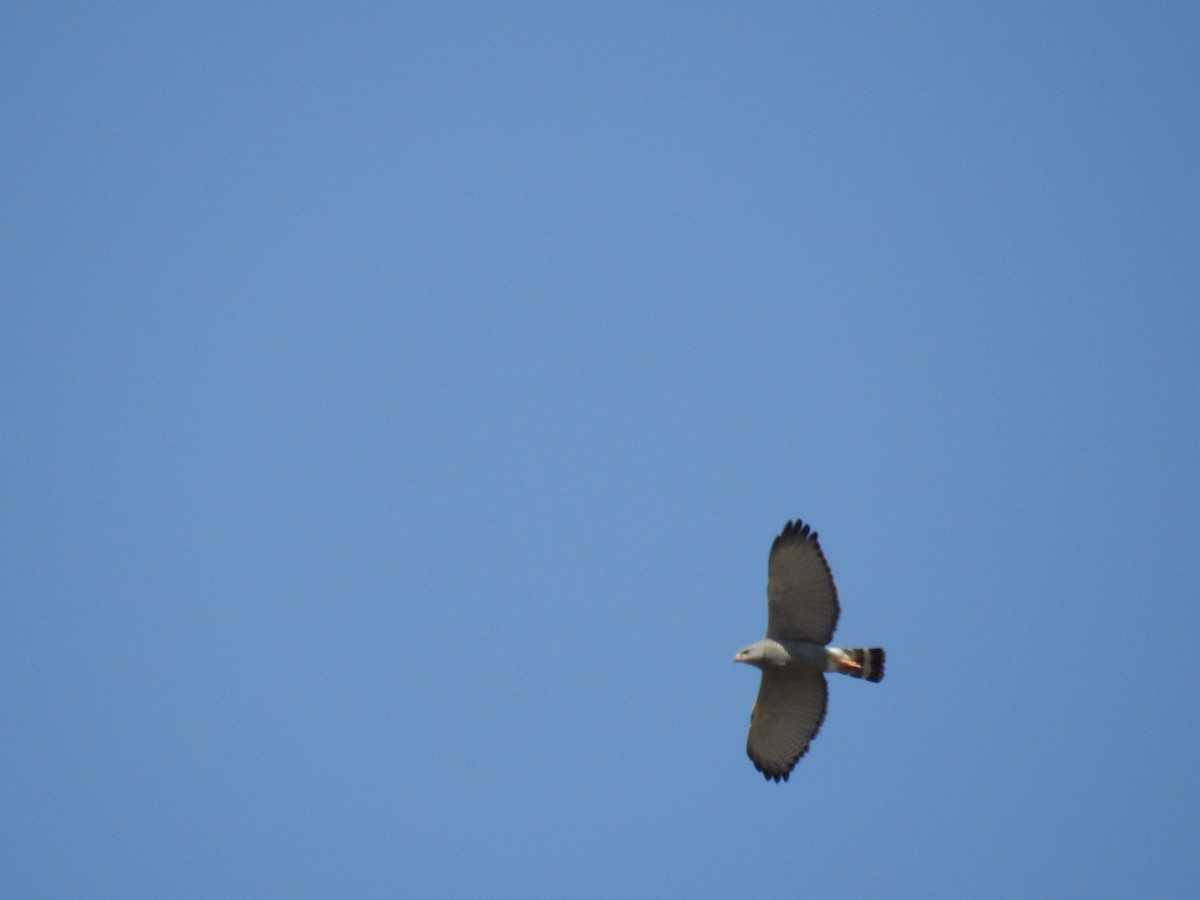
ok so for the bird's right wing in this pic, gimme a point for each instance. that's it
(787, 715)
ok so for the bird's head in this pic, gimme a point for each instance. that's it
(754, 655)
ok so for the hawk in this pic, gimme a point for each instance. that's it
(802, 612)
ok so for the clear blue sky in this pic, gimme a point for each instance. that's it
(399, 401)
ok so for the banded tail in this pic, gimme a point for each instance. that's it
(869, 663)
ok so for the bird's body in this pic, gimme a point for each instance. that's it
(802, 612)
(772, 653)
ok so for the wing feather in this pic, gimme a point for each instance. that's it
(786, 717)
(802, 603)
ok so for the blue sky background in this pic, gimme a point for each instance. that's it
(399, 401)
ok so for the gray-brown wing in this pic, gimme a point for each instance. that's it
(802, 602)
(786, 717)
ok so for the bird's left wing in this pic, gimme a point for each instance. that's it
(802, 603)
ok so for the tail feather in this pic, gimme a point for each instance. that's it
(871, 661)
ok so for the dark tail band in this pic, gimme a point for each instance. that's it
(871, 661)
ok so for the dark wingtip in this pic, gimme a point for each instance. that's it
(795, 528)
(772, 776)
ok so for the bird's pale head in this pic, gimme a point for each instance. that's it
(755, 655)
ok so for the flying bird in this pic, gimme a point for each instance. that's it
(802, 612)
